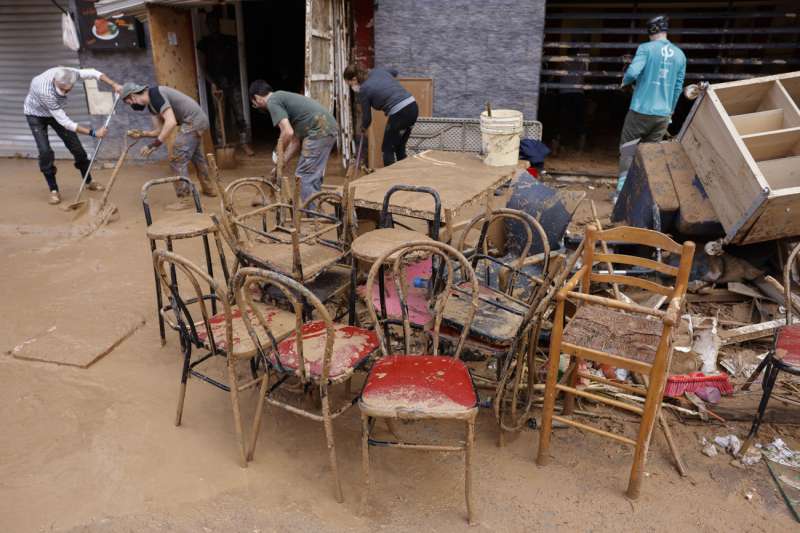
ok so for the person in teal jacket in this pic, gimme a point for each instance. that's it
(658, 70)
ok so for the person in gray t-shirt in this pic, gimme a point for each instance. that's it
(170, 109)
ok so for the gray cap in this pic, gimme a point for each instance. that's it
(131, 88)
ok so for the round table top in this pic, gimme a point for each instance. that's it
(181, 226)
(373, 244)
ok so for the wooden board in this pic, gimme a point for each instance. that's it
(781, 173)
(422, 90)
(773, 144)
(319, 52)
(461, 179)
(172, 44)
(758, 122)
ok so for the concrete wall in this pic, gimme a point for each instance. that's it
(474, 51)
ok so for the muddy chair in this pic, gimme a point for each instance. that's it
(428, 386)
(617, 333)
(179, 226)
(223, 334)
(784, 355)
(314, 357)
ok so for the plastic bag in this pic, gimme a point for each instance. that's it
(69, 35)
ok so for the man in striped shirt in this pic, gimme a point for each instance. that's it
(44, 108)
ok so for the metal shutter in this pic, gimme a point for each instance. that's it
(30, 43)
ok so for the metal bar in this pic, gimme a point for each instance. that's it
(694, 61)
(685, 46)
(675, 31)
(673, 16)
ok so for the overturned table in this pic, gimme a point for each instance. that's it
(460, 178)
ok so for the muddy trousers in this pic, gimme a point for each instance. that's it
(188, 148)
(646, 128)
(397, 132)
(47, 157)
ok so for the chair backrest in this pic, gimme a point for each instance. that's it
(787, 283)
(243, 284)
(148, 215)
(641, 237)
(167, 266)
(450, 261)
(386, 220)
(481, 250)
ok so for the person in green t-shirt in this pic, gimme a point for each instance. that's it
(301, 120)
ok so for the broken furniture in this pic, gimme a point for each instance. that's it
(369, 246)
(428, 386)
(617, 333)
(662, 193)
(314, 357)
(743, 139)
(184, 225)
(302, 244)
(784, 355)
(220, 334)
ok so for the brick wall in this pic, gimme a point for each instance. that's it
(474, 51)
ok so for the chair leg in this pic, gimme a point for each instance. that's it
(756, 372)
(187, 359)
(326, 419)
(351, 301)
(210, 270)
(550, 387)
(233, 382)
(770, 377)
(262, 392)
(468, 470)
(572, 381)
(365, 460)
(159, 299)
(652, 406)
(223, 261)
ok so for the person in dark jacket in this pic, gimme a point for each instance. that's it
(380, 89)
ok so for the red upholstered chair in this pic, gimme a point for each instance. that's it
(427, 386)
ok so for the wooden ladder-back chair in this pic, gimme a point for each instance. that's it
(222, 334)
(427, 386)
(318, 354)
(785, 353)
(620, 334)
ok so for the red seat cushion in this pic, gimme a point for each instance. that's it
(351, 345)
(424, 384)
(787, 344)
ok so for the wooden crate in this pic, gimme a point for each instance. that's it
(744, 142)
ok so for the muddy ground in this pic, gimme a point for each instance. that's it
(95, 449)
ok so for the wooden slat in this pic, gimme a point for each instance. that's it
(600, 399)
(638, 261)
(602, 357)
(591, 429)
(632, 281)
(752, 331)
(618, 304)
(647, 237)
(610, 383)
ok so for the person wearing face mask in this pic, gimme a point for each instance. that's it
(170, 109)
(44, 108)
(380, 89)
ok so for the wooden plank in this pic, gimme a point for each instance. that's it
(172, 44)
(781, 173)
(778, 98)
(601, 399)
(778, 219)
(752, 331)
(638, 261)
(739, 99)
(461, 179)
(422, 91)
(758, 122)
(773, 144)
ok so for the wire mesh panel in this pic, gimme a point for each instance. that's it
(457, 134)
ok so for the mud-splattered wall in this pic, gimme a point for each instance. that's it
(474, 51)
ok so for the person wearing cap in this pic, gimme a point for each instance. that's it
(172, 109)
(44, 108)
(380, 89)
(658, 70)
(302, 121)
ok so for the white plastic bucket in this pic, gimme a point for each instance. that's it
(500, 137)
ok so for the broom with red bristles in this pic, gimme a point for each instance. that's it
(680, 384)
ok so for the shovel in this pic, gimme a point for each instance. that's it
(98, 213)
(77, 203)
(226, 155)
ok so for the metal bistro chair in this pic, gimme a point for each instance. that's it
(221, 334)
(185, 225)
(427, 386)
(621, 334)
(784, 355)
(318, 355)
(368, 247)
